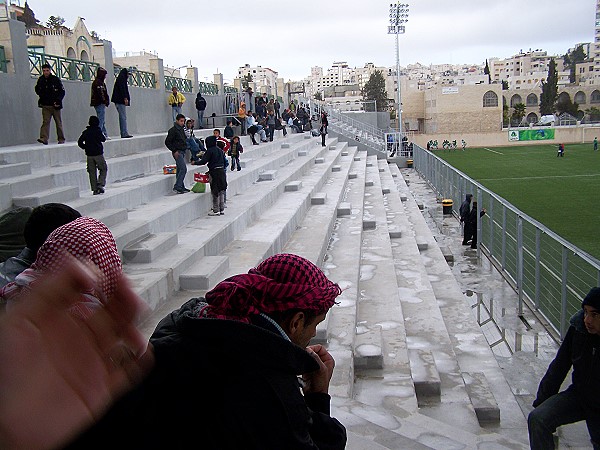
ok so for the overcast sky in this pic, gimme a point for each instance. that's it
(292, 36)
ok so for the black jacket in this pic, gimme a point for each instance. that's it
(200, 102)
(465, 208)
(220, 385)
(580, 350)
(91, 141)
(50, 90)
(176, 140)
(99, 92)
(213, 157)
(121, 89)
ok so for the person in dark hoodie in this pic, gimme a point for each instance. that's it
(227, 367)
(580, 350)
(465, 209)
(51, 92)
(470, 236)
(91, 141)
(176, 141)
(100, 100)
(214, 159)
(120, 97)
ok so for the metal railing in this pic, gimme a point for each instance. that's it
(3, 61)
(208, 88)
(182, 84)
(230, 90)
(139, 78)
(548, 272)
(63, 68)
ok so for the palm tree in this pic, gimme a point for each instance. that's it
(518, 113)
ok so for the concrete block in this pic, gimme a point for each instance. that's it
(345, 153)
(322, 336)
(56, 195)
(357, 158)
(245, 162)
(369, 183)
(344, 209)
(369, 164)
(381, 170)
(352, 175)
(14, 170)
(307, 136)
(394, 175)
(420, 205)
(368, 350)
(302, 152)
(448, 255)
(422, 244)
(285, 145)
(267, 175)
(395, 234)
(319, 160)
(385, 191)
(336, 168)
(403, 198)
(425, 375)
(332, 147)
(318, 199)
(369, 224)
(149, 248)
(205, 273)
(293, 186)
(483, 400)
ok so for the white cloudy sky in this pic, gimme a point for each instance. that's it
(223, 35)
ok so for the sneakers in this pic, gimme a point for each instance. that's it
(100, 190)
(212, 213)
(62, 141)
(186, 190)
(127, 136)
(222, 213)
(179, 191)
(41, 141)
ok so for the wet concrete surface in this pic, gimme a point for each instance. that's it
(522, 345)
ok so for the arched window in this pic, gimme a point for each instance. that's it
(71, 53)
(490, 99)
(515, 99)
(580, 98)
(595, 97)
(84, 56)
(563, 97)
(532, 100)
(532, 118)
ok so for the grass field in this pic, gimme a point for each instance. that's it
(562, 193)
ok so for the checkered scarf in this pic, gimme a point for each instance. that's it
(279, 283)
(88, 240)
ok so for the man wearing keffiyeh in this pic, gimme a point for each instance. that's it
(234, 370)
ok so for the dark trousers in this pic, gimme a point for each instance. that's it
(271, 129)
(97, 170)
(48, 113)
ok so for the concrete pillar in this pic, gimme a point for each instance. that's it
(157, 67)
(108, 64)
(218, 80)
(192, 74)
(14, 40)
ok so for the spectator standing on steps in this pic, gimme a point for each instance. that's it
(91, 141)
(176, 100)
(120, 97)
(200, 107)
(51, 93)
(234, 151)
(580, 350)
(176, 142)
(100, 100)
(471, 226)
(214, 159)
(464, 210)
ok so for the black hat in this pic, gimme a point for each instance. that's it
(210, 141)
(592, 299)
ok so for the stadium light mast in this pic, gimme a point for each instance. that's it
(398, 17)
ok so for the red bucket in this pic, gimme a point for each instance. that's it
(201, 177)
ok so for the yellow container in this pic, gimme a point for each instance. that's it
(447, 205)
(409, 163)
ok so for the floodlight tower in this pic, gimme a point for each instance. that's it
(398, 17)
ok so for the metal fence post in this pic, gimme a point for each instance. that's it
(538, 239)
(503, 256)
(520, 263)
(563, 294)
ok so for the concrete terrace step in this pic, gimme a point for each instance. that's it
(205, 274)
(14, 170)
(53, 195)
(149, 248)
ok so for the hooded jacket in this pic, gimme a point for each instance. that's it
(220, 384)
(121, 89)
(580, 350)
(99, 92)
(465, 208)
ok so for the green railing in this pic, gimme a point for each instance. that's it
(63, 68)
(208, 88)
(230, 90)
(139, 78)
(182, 84)
(3, 67)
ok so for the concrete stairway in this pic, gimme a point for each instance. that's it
(413, 370)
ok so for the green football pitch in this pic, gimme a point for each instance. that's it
(563, 193)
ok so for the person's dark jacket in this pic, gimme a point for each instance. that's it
(91, 141)
(121, 89)
(235, 149)
(99, 92)
(580, 350)
(50, 91)
(200, 102)
(228, 132)
(176, 140)
(465, 208)
(213, 156)
(220, 385)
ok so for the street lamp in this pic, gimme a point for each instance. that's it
(398, 17)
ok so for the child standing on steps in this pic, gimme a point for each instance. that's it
(234, 151)
(91, 141)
